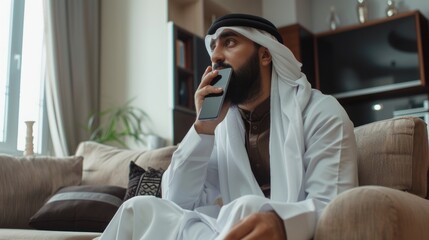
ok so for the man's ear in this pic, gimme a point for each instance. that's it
(265, 56)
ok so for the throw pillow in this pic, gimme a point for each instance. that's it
(101, 159)
(79, 208)
(142, 182)
(27, 182)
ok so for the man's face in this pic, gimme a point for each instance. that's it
(241, 54)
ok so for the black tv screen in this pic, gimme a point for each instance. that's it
(369, 59)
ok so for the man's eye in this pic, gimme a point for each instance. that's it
(229, 42)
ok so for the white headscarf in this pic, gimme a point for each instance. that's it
(290, 93)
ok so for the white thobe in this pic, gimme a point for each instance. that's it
(205, 195)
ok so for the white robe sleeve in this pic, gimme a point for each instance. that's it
(191, 180)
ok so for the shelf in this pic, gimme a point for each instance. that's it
(368, 23)
(189, 62)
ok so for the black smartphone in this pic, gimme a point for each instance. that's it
(212, 103)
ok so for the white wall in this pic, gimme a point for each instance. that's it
(280, 12)
(243, 6)
(134, 59)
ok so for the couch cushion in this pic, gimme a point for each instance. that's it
(107, 165)
(394, 153)
(26, 183)
(85, 208)
(142, 182)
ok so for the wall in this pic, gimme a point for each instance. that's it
(243, 6)
(134, 58)
(286, 12)
(280, 12)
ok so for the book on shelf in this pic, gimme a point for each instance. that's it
(180, 53)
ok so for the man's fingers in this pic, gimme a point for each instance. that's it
(240, 230)
(206, 90)
(266, 225)
(208, 77)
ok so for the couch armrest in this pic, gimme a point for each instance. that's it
(394, 153)
(374, 212)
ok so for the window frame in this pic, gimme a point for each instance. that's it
(13, 88)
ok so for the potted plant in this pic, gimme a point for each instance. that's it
(117, 125)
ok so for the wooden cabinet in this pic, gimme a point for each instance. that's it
(383, 57)
(190, 59)
(301, 42)
(376, 69)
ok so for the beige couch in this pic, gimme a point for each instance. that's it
(27, 183)
(389, 204)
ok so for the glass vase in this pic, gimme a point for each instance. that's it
(334, 21)
(391, 9)
(362, 11)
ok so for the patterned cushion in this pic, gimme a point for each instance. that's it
(142, 182)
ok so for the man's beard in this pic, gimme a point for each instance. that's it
(245, 83)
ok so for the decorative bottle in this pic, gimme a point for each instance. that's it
(362, 11)
(391, 9)
(334, 21)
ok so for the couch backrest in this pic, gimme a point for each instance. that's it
(107, 165)
(27, 182)
(394, 153)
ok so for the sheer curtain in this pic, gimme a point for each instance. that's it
(72, 69)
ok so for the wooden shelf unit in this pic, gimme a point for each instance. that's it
(376, 69)
(368, 46)
(189, 62)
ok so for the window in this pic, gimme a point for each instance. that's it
(21, 75)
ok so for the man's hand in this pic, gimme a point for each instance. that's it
(263, 225)
(204, 89)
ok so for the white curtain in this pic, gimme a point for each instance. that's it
(72, 69)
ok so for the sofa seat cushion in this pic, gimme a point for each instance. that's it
(109, 165)
(394, 153)
(26, 184)
(29, 234)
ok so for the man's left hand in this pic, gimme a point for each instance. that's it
(263, 225)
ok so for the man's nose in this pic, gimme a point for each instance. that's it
(217, 55)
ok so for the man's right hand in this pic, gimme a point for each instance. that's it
(204, 89)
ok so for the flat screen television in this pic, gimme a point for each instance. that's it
(379, 56)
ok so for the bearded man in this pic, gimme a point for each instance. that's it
(266, 167)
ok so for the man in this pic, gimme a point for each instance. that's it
(266, 167)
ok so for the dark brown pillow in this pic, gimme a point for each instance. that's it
(142, 182)
(86, 208)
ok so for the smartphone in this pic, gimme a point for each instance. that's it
(212, 103)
